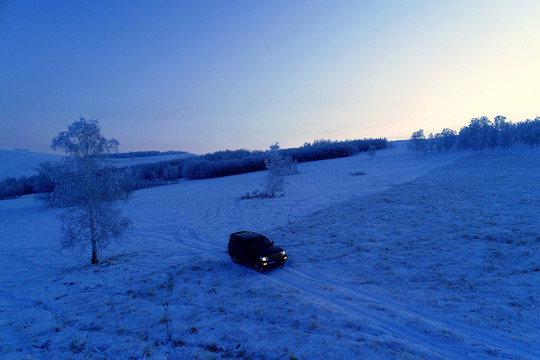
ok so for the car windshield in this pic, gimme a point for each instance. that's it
(259, 243)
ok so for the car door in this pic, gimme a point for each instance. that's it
(243, 250)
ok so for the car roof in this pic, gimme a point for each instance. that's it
(247, 235)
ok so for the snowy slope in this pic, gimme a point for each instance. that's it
(22, 163)
(25, 163)
(148, 159)
(435, 257)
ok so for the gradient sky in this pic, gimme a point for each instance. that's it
(203, 75)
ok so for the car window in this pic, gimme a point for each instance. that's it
(260, 243)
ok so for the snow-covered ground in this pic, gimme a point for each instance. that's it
(24, 163)
(148, 159)
(435, 257)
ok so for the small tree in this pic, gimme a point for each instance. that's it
(89, 188)
(418, 142)
(278, 167)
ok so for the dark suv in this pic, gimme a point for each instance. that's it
(255, 249)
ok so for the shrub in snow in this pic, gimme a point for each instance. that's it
(47, 180)
(89, 188)
(358, 172)
(372, 151)
(10, 187)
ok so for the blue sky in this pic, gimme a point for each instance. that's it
(203, 76)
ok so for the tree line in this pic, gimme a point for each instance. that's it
(217, 164)
(481, 133)
(233, 162)
(139, 154)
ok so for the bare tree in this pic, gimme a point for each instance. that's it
(89, 188)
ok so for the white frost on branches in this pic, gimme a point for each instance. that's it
(89, 188)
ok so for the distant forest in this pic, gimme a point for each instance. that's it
(217, 164)
(233, 162)
(138, 154)
(481, 133)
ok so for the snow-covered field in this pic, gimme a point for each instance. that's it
(24, 163)
(436, 257)
(148, 159)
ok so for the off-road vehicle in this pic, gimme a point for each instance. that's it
(255, 250)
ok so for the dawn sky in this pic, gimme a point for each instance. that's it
(203, 76)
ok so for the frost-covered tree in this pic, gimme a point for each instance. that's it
(439, 142)
(507, 134)
(504, 130)
(448, 138)
(89, 188)
(431, 142)
(418, 142)
(492, 136)
(532, 129)
(478, 131)
(278, 167)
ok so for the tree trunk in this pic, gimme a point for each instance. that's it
(94, 253)
(93, 234)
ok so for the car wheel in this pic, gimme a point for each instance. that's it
(234, 259)
(258, 268)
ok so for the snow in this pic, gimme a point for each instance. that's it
(120, 162)
(435, 257)
(25, 163)
(22, 163)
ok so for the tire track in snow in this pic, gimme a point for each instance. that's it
(176, 238)
(492, 338)
(376, 318)
(379, 311)
(379, 322)
(207, 215)
(387, 315)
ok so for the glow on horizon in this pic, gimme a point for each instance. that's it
(210, 75)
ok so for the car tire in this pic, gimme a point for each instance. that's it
(258, 268)
(234, 259)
